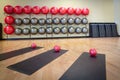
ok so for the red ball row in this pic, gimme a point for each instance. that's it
(45, 10)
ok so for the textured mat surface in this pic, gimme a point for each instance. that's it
(14, 53)
(87, 68)
(31, 65)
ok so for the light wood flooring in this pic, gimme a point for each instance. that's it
(55, 69)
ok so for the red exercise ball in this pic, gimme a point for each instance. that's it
(9, 29)
(18, 9)
(27, 9)
(70, 11)
(85, 11)
(54, 10)
(57, 48)
(62, 10)
(93, 52)
(9, 20)
(45, 10)
(36, 10)
(78, 11)
(8, 9)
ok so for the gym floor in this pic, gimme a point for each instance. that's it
(55, 69)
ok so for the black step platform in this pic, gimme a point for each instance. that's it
(114, 30)
(87, 68)
(94, 30)
(103, 30)
(31, 65)
(108, 30)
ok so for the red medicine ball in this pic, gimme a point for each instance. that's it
(18, 9)
(45, 10)
(62, 10)
(54, 10)
(70, 11)
(27, 9)
(36, 10)
(9, 29)
(9, 20)
(8, 9)
(78, 11)
(85, 11)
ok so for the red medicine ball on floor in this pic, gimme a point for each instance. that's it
(93, 52)
(57, 48)
(9, 20)
(8, 9)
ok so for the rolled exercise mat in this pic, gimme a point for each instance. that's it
(14, 53)
(87, 68)
(31, 65)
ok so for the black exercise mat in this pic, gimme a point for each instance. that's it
(31, 65)
(87, 68)
(14, 53)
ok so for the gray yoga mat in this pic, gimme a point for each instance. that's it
(31, 65)
(14, 53)
(87, 68)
